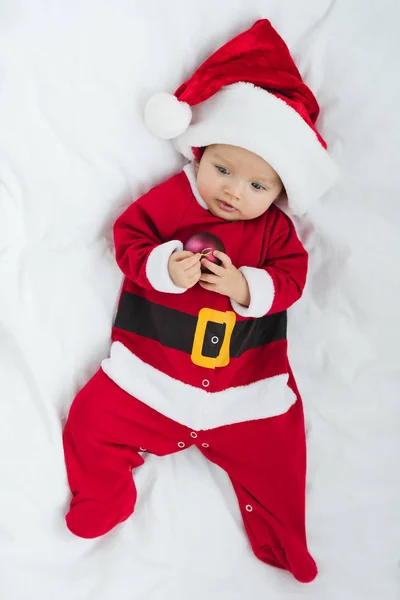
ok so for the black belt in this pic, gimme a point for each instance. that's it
(179, 330)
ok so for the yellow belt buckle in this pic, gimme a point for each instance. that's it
(205, 315)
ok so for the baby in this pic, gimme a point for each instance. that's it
(235, 185)
(211, 264)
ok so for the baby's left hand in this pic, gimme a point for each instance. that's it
(225, 279)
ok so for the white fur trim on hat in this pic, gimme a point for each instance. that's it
(165, 116)
(157, 268)
(244, 115)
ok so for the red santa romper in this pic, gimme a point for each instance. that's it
(190, 367)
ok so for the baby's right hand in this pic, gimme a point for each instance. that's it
(184, 268)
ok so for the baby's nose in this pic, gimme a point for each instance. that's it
(234, 191)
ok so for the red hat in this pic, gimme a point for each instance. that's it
(249, 93)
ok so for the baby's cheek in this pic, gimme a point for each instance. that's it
(207, 193)
(204, 188)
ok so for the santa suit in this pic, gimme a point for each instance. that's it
(191, 367)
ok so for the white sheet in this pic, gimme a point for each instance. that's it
(74, 152)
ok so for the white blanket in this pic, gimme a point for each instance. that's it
(74, 77)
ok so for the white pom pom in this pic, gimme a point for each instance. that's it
(166, 117)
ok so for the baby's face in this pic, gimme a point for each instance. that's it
(236, 184)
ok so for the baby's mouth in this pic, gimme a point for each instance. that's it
(225, 206)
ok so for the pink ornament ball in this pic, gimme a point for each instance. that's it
(205, 243)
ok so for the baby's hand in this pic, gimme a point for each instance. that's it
(225, 279)
(184, 268)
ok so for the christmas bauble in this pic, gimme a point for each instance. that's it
(205, 243)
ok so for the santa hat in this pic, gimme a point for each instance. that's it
(249, 93)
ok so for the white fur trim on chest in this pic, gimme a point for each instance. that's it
(190, 172)
(195, 407)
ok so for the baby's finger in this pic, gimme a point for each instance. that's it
(181, 255)
(193, 278)
(207, 286)
(191, 261)
(216, 269)
(209, 278)
(224, 258)
(193, 271)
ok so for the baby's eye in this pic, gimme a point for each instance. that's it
(222, 170)
(258, 186)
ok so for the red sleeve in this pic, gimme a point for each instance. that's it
(143, 236)
(280, 281)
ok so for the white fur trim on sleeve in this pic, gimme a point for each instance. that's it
(157, 267)
(262, 293)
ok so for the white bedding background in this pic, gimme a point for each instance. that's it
(74, 77)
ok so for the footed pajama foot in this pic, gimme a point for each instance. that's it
(302, 566)
(91, 519)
